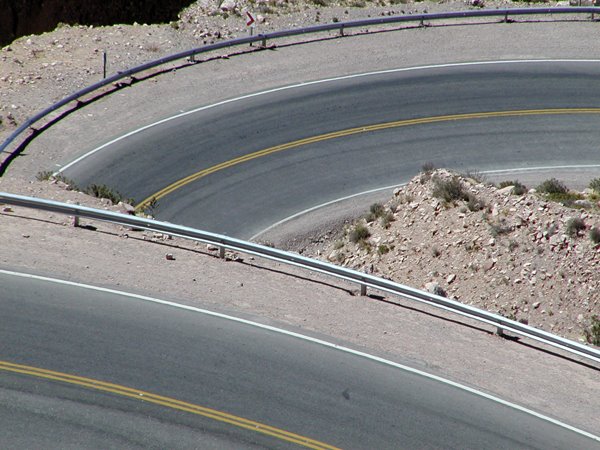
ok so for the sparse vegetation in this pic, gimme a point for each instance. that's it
(387, 219)
(359, 233)
(474, 175)
(426, 170)
(474, 203)
(595, 235)
(554, 190)
(574, 225)
(595, 185)
(552, 186)
(592, 333)
(376, 211)
(383, 249)
(103, 191)
(152, 207)
(449, 190)
(47, 175)
(518, 188)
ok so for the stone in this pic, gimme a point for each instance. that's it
(450, 279)
(170, 257)
(536, 305)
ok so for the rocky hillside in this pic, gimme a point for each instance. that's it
(23, 17)
(508, 250)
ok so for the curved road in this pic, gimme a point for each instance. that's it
(554, 124)
(227, 372)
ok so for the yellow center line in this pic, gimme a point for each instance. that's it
(351, 131)
(168, 402)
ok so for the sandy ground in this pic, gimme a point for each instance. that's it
(416, 335)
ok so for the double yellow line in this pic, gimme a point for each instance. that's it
(167, 402)
(351, 131)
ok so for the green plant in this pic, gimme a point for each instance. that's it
(518, 188)
(474, 203)
(338, 244)
(44, 175)
(500, 227)
(449, 190)
(358, 4)
(387, 219)
(375, 211)
(152, 207)
(383, 249)
(552, 186)
(103, 191)
(474, 175)
(595, 235)
(595, 185)
(359, 233)
(574, 225)
(592, 333)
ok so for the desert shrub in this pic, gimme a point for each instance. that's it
(103, 191)
(426, 170)
(359, 233)
(449, 190)
(383, 249)
(592, 333)
(595, 185)
(595, 235)
(338, 244)
(44, 175)
(375, 211)
(518, 187)
(574, 225)
(552, 186)
(435, 252)
(387, 219)
(498, 229)
(474, 203)
(320, 2)
(474, 175)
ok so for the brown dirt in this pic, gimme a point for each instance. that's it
(37, 70)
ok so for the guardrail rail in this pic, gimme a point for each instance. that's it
(263, 38)
(364, 280)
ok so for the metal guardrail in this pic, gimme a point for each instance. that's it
(364, 280)
(263, 38)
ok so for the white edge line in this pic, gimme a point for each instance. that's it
(323, 205)
(309, 83)
(488, 172)
(313, 340)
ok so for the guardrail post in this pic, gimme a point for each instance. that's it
(264, 42)
(104, 63)
(342, 30)
(500, 331)
(363, 290)
(221, 252)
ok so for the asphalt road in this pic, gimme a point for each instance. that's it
(245, 198)
(279, 380)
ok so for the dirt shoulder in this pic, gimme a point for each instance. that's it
(112, 256)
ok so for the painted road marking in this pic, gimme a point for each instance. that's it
(165, 401)
(389, 188)
(315, 82)
(314, 340)
(353, 131)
